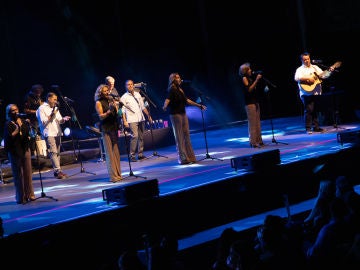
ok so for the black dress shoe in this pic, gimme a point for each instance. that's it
(116, 180)
(22, 202)
(318, 129)
(255, 145)
(185, 162)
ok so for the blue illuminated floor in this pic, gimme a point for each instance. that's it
(81, 194)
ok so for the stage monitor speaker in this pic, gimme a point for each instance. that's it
(255, 162)
(349, 136)
(132, 192)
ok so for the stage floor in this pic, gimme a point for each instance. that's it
(82, 193)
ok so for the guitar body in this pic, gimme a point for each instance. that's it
(315, 88)
(312, 88)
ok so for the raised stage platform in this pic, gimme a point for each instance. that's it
(85, 214)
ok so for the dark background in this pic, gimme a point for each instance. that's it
(76, 44)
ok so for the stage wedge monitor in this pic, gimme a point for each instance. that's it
(349, 136)
(258, 161)
(132, 192)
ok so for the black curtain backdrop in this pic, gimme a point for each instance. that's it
(76, 44)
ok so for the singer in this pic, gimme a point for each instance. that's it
(308, 78)
(108, 114)
(135, 120)
(113, 93)
(176, 100)
(110, 82)
(33, 99)
(49, 119)
(249, 86)
(17, 147)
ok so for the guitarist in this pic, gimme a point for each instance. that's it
(308, 77)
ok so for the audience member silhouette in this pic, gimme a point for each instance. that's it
(352, 201)
(227, 238)
(333, 241)
(320, 212)
(344, 186)
(164, 254)
(241, 256)
(129, 260)
(352, 258)
(275, 248)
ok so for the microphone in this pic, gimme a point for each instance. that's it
(22, 115)
(69, 100)
(256, 72)
(113, 95)
(117, 99)
(185, 81)
(139, 85)
(316, 61)
(127, 132)
(266, 89)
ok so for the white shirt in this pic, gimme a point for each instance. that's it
(49, 128)
(136, 115)
(304, 71)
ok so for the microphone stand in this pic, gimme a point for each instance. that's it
(75, 119)
(155, 153)
(267, 91)
(131, 173)
(207, 155)
(82, 169)
(57, 89)
(43, 195)
(268, 82)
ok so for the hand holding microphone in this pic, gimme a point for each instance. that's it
(258, 77)
(112, 106)
(257, 72)
(113, 96)
(53, 112)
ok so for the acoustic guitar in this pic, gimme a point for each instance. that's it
(319, 78)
